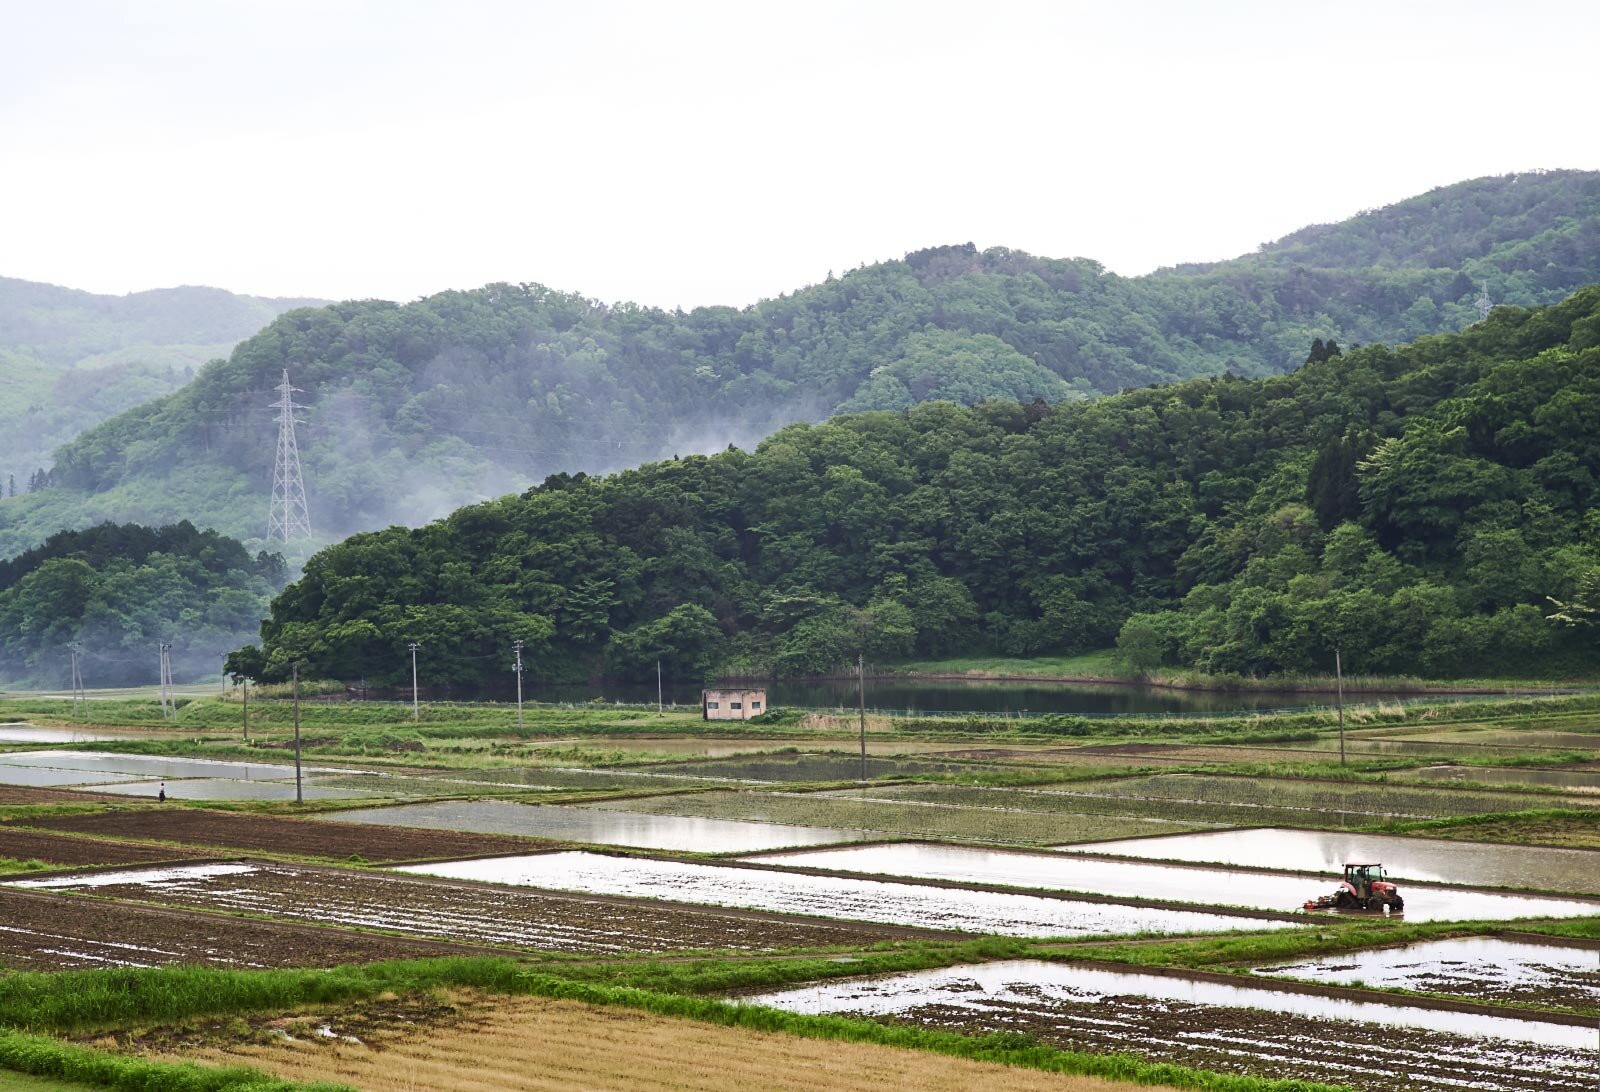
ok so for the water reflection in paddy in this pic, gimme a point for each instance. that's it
(1479, 967)
(1176, 883)
(1035, 983)
(836, 897)
(1437, 859)
(618, 828)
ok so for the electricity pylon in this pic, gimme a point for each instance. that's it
(288, 518)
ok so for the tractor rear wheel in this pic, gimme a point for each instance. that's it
(1346, 901)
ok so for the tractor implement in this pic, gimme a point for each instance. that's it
(1364, 888)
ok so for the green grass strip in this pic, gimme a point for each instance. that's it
(42, 1056)
(1004, 1048)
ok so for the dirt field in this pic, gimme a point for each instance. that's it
(490, 914)
(61, 849)
(23, 794)
(40, 932)
(531, 1044)
(279, 834)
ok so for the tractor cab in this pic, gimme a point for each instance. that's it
(1362, 878)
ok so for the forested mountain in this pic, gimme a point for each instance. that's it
(70, 359)
(1414, 507)
(415, 409)
(121, 591)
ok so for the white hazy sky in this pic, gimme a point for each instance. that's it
(680, 154)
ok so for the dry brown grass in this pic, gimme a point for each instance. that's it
(528, 1044)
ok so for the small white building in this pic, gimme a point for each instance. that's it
(733, 704)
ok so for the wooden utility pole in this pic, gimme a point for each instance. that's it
(299, 792)
(660, 706)
(1338, 674)
(246, 685)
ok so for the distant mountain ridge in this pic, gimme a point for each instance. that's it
(69, 359)
(417, 409)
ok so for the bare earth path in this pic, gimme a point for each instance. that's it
(539, 1045)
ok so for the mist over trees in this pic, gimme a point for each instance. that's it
(118, 591)
(416, 409)
(1418, 508)
(71, 359)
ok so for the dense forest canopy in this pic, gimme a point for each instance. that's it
(71, 359)
(416, 409)
(1414, 507)
(118, 591)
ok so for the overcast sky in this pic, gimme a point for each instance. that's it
(680, 154)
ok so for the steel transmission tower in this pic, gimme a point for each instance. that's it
(289, 518)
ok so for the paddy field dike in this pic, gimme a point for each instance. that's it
(794, 902)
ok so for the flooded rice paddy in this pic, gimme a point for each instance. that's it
(1176, 883)
(29, 733)
(1223, 1027)
(1478, 864)
(147, 775)
(837, 897)
(810, 767)
(1486, 969)
(1587, 781)
(619, 828)
(452, 912)
(893, 815)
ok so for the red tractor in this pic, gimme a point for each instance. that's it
(1364, 888)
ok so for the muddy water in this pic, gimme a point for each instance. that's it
(1587, 781)
(1437, 859)
(40, 776)
(155, 765)
(861, 900)
(1029, 981)
(222, 788)
(1129, 879)
(1233, 1028)
(618, 828)
(28, 733)
(1483, 968)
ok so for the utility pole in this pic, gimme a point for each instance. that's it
(659, 705)
(246, 685)
(299, 793)
(416, 714)
(168, 706)
(861, 705)
(77, 679)
(288, 517)
(1338, 673)
(517, 648)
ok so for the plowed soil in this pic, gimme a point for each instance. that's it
(41, 932)
(62, 849)
(25, 794)
(490, 914)
(280, 834)
(536, 1045)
